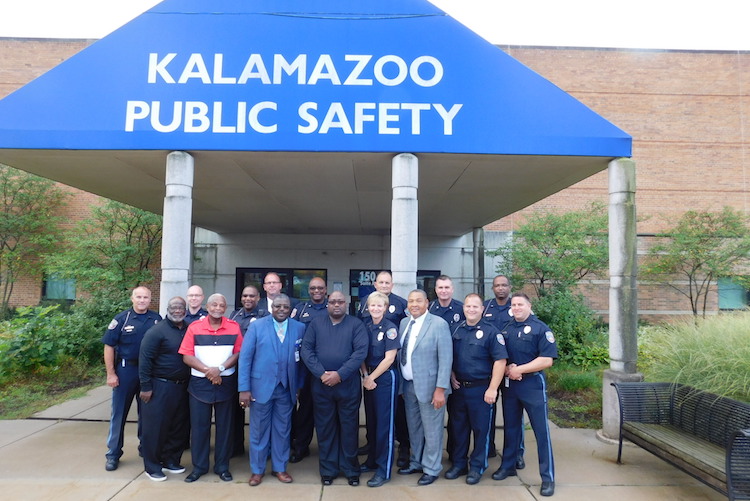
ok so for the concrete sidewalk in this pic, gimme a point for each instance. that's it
(59, 454)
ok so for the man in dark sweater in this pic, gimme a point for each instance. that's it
(164, 377)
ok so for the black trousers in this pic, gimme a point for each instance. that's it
(164, 425)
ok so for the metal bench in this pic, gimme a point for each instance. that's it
(703, 434)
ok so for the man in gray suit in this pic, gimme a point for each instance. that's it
(426, 357)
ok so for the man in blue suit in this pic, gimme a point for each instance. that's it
(268, 382)
(425, 358)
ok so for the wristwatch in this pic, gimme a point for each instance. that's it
(222, 368)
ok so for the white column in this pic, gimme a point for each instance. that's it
(176, 234)
(404, 223)
(623, 298)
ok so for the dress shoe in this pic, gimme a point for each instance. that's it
(376, 481)
(548, 488)
(172, 468)
(111, 464)
(501, 474)
(454, 472)
(364, 450)
(426, 479)
(353, 481)
(225, 476)
(193, 477)
(409, 470)
(520, 463)
(326, 480)
(298, 456)
(364, 468)
(255, 479)
(284, 477)
(473, 477)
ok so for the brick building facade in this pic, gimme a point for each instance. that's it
(686, 110)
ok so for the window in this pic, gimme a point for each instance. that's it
(294, 282)
(732, 296)
(59, 288)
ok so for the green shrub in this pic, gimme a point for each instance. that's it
(712, 354)
(580, 339)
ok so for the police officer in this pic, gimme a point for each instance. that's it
(303, 418)
(250, 311)
(449, 309)
(497, 309)
(381, 388)
(164, 409)
(122, 343)
(531, 349)
(333, 349)
(479, 358)
(195, 310)
(395, 313)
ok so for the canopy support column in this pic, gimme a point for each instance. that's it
(177, 230)
(623, 298)
(404, 223)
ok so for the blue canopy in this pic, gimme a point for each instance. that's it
(304, 76)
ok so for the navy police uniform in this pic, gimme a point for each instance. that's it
(496, 314)
(340, 347)
(525, 342)
(125, 333)
(453, 313)
(475, 350)
(303, 419)
(192, 317)
(380, 403)
(245, 318)
(395, 313)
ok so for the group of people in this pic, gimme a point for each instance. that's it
(299, 366)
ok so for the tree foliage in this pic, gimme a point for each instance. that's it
(112, 251)
(29, 226)
(553, 251)
(701, 248)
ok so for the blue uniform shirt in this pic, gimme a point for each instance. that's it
(395, 312)
(192, 317)
(383, 338)
(453, 313)
(496, 314)
(475, 350)
(245, 318)
(528, 340)
(125, 332)
(306, 312)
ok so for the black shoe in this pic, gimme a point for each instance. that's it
(501, 474)
(376, 481)
(225, 476)
(353, 481)
(172, 468)
(298, 456)
(492, 453)
(364, 468)
(520, 463)
(111, 464)
(473, 477)
(326, 480)
(548, 488)
(403, 457)
(454, 472)
(426, 479)
(409, 470)
(364, 450)
(193, 477)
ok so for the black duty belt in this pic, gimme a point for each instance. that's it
(175, 381)
(476, 382)
(123, 362)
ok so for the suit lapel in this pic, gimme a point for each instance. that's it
(423, 330)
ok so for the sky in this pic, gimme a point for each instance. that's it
(638, 24)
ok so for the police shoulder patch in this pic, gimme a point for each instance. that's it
(550, 337)
(391, 333)
(294, 313)
(112, 324)
(501, 339)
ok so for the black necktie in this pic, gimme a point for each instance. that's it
(406, 342)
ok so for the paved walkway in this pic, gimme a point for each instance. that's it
(59, 454)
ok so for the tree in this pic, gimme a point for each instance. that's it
(702, 247)
(29, 226)
(555, 251)
(112, 251)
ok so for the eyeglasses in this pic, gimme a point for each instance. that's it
(336, 301)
